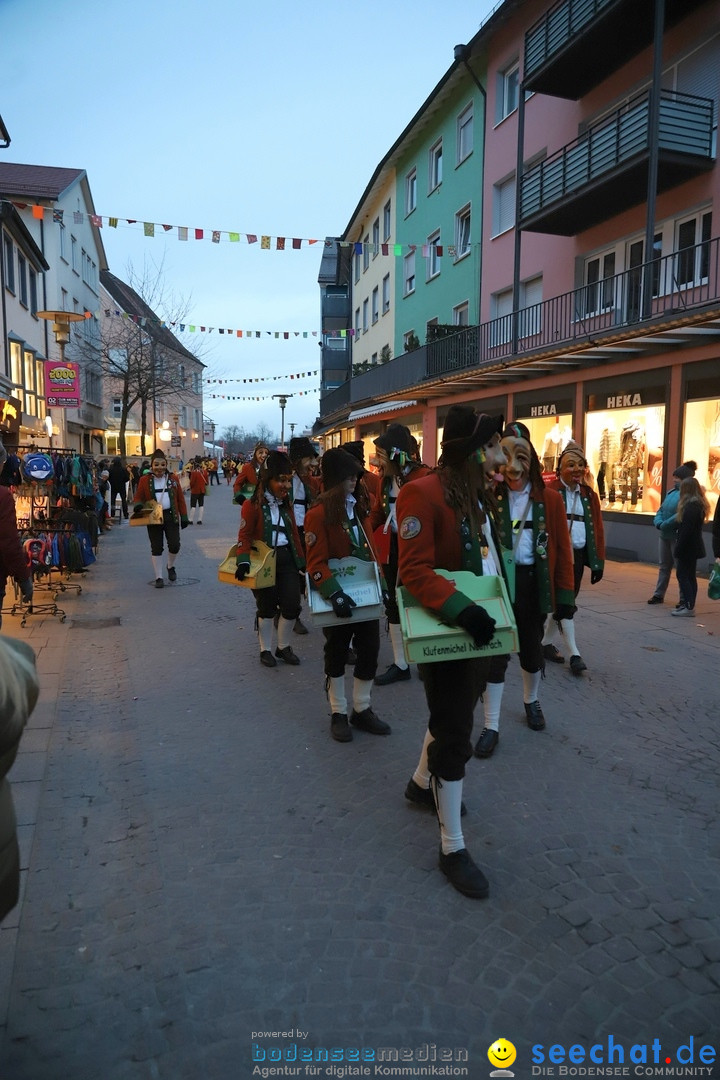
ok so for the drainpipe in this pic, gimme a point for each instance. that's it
(653, 144)
(462, 52)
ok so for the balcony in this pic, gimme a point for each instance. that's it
(652, 308)
(577, 44)
(604, 171)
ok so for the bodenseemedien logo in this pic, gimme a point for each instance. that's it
(501, 1054)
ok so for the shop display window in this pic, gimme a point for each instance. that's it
(701, 443)
(624, 449)
(549, 436)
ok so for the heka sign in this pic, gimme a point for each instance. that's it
(62, 384)
(624, 401)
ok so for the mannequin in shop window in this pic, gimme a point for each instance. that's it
(551, 447)
(632, 451)
(607, 455)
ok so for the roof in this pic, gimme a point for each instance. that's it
(37, 181)
(133, 304)
(15, 224)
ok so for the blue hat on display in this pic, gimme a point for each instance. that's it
(37, 466)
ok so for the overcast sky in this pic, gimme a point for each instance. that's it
(245, 117)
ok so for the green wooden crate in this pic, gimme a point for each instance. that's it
(361, 581)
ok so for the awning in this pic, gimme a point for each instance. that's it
(375, 410)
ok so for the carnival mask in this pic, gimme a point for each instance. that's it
(518, 457)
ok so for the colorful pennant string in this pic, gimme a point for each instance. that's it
(265, 378)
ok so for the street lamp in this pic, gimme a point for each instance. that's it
(282, 403)
(61, 329)
(292, 429)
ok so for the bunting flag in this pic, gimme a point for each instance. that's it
(263, 378)
(182, 327)
(258, 397)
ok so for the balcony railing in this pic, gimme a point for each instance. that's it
(556, 29)
(685, 128)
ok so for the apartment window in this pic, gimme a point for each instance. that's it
(409, 274)
(376, 237)
(365, 316)
(16, 372)
(411, 191)
(693, 250)
(117, 406)
(433, 259)
(503, 205)
(461, 314)
(64, 298)
(63, 242)
(9, 255)
(366, 251)
(409, 340)
(375, 304)
(599, 284)
(387, 220)
(386, 293)
(356, 260)
(73, 254)
(501, 307)
(373, 358)
(181, 374)
(358, 325)
(465, 134)
(530, 319)
(33, 291)
(509, 90)
(462, 233)
(435, 166)
(29, 378)
(22, 279)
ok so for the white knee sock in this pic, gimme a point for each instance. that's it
(200, 513)
(171, 558)
(492, 700)
(336, 694)
(157, 565)
(362, 691)
(265, 633)
(531, 685)
(192, 515)
(551, 631)
(397, 646)
(448, 800)
(568, 629)
(284, 630)
(421, 776)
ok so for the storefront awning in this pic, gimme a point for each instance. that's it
(375, 410)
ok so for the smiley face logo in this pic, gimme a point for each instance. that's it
(502, 1053)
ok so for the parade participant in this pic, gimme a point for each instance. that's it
(444, 523)
(337, 527)
(587, 538)
(531, 523)
(198, 487)
(164, 488)
(246, 480)
(397, 464)
(370, 479)
(268, 516)
(305, 489)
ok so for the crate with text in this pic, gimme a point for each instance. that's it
(361, 581)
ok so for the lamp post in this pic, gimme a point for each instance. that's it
(282, 403)
(292, 429)
(61, 329)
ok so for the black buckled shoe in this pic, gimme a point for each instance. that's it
(486, 743)
(339, 728)
(655, 600)
(368, 721)
(159, 583)
(553, 654)
(534, 714)
(172, 573)
(267, 659)
(423, 797)
(393, 674)
(287, 656)
(300, 628)
(464, 875)
(577, 665)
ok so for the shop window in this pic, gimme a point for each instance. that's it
(548, 434)
(624, 448)
(701, 443)
(16, 372)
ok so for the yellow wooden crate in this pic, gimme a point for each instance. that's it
(427, 640)
(262, 567)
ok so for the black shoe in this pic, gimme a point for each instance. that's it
(288, 656)
(159, 583)
(199, 523)
(339, 728)
(368, 721)
(191, 522)
(486, 743)
(267, 659)
(423, 797)
(534, 714)
(655, 600)
(300, 628)
(393, 674)
(351, 658)
(464, 875)
(172, 573)
(551, 653)
(577, 665)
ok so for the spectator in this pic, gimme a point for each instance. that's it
(666, 514)
(693, 509)
(119, 479)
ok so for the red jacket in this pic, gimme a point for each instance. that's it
(323, 542)
(256, 524)
(381, 503)
(144, 493)
(198, 482)
(594, 528)
(13, 562)
(248, 475)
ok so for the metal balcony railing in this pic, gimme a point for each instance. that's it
(685, 128)
(557, 28)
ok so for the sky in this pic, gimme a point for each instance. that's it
(226, 115)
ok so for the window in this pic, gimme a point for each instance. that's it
(16, 372)
(465, 134)
(64, 298)
(373, 358)
(530, 319)
(411, 191)
(117, 406)
(366, 251)
(73, 254)
(501, 313)
(693, 250)
(462, 233)
(387, 220)
(9, 255)
(386, 293)
(33, 291)
(181, 374)
(357, 266)
(358, 325)
(409, 274)
(433, 258)
(365, 316)
(29, 378)
(410, 340)
(376, 237)
(503, 205)
(40, 387)
(22, 279)
(435, 166)
(63, 242)
(375, 304)
(509, 88)
(461, 314)
(599, 284)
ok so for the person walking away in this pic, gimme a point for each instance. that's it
(247, 477)
(587, 538)
(119, 479)
(693, 510)
(164, 488)
(213, 472)
(444, 523)
(268, 516)
(198, 487)
(337, 527)
(667, 513)
(13, 561)
(305, 489)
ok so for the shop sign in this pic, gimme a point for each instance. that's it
(539, 410)
(62, 384)
(10, 416)
(632, 400)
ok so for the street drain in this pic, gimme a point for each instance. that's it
(88, 623)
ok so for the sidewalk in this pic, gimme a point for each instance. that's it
(204, 866)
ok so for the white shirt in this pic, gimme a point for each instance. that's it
(520, 507)
(354, 524)
(279, 536)
(574, 506)
(160, 485)
(299, 499)
(489, 562)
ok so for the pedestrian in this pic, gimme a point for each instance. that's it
(19, 689)
(693, 510)
(587, 538)
(268, 516)
(337, 527)
(119, 479)
(213, 472)
(305, 489)
(395, 456)
(666, 514)
(247, 477)
(198, 480)
(103, 510)
(13, 562)
(444, 523)
(164, 488)
(532, 525)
